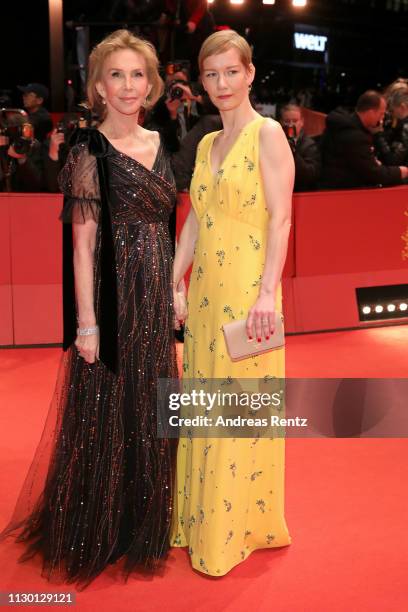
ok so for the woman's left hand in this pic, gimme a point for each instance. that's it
(179, 305)
(261, 318)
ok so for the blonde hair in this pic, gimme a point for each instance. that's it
(396, 85)
(400, 96)
(116, 41)
(223, 41)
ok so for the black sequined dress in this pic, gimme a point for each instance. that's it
(100, 486)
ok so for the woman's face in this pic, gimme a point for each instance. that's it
(226, 79)
(124, 84)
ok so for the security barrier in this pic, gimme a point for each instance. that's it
(340, 240)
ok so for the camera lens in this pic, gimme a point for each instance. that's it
(22, 145)
(176, 93)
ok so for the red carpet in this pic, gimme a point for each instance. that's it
(346, 501)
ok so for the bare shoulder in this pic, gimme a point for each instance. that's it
(269, 128)
(273, 143)
(152, 137)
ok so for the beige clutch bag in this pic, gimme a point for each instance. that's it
(240, 347)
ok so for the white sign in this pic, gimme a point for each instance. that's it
(311, 42)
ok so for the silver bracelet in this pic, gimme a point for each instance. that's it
(88, 331)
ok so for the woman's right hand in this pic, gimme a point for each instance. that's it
(180, 307)
(88, 347)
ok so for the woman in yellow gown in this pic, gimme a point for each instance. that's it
(229, 492)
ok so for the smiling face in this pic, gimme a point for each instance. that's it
(124, 83)
(226, 79)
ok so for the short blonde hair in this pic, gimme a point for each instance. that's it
(223, 41)
(116, 41)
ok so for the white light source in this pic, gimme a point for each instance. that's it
(299, 2)
(237, 1)
(403, 306)
(366, 310)
(379, 308)
(391, 307)
(210, 1)
(268, 1)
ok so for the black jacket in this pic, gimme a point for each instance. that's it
(392, 144)
(159, 119)
(183, 160)
(307, 163)
(42, 123)
(26, 175)
(348, 155)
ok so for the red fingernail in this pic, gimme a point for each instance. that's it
(267, 337)
(250, 337)
(259, 340)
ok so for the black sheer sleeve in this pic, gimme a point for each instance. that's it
(78, 181)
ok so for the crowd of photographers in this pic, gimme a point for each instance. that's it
(367, 147)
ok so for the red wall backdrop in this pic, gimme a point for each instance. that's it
(345, 240)
(340, 240)
(6, 310)
(30, 269)
(315, 122)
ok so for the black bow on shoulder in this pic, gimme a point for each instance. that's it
(96, 141)
(107, 317)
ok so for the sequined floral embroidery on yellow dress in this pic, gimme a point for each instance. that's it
(229, 494)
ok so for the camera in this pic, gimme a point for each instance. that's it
(72, 121)
(290, 130)
(174, 91)
(16, 130)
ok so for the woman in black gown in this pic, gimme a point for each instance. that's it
(100, 485)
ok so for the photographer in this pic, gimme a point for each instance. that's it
(20, 154)
(34, 96)
(349, 159)
(55, 153)
(305, 150)
(177, 112)
(391, 143)
(56, 147)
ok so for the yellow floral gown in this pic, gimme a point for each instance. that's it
(229, 493)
